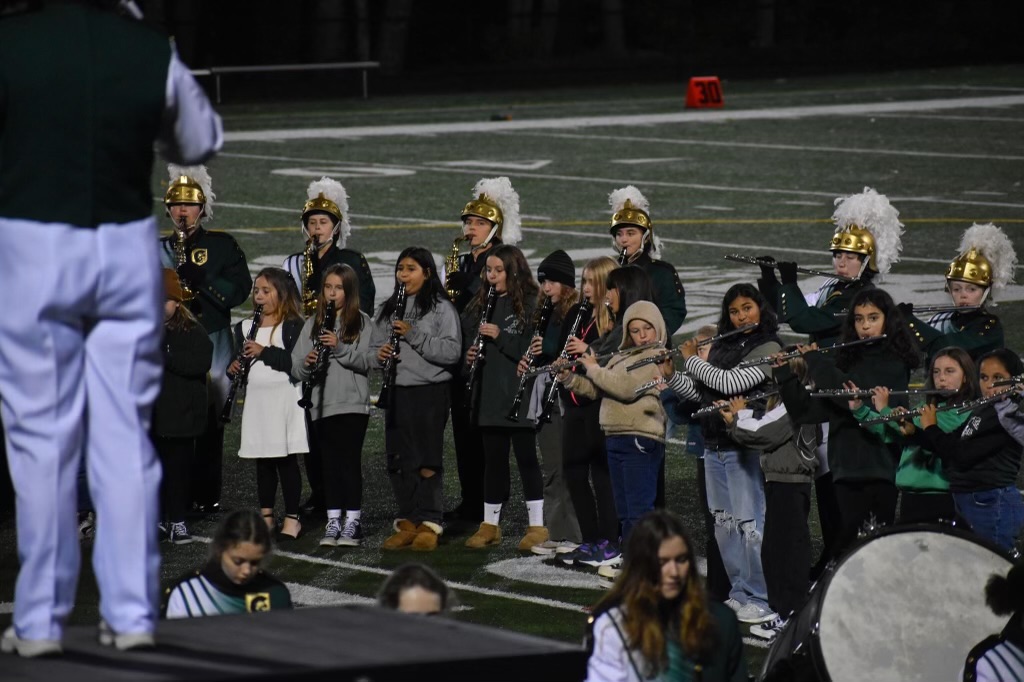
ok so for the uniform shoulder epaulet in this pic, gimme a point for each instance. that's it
(664, 264)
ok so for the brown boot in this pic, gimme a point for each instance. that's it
(488, 534)
(534, 536)
(426, 537)
(403, 538)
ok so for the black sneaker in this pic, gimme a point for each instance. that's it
(351, 534)
(178, 534)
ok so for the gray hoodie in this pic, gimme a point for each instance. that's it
(347, 388)
(430, 349)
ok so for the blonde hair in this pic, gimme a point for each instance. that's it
(599, 269)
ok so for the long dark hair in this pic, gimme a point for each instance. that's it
(1005, 595)
(633, 284)
(898, 338)
(728, 352)
(431, 292)
(969, 389)
(290, 306)
(1010, 360)
(413, 575)
(519, 280)
(637, 592)
(242, 525)
(351, 320)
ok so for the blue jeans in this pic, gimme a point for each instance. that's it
(736, 500)
(996, 515)
(633, 464)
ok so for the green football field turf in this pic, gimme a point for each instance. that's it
(757, 177)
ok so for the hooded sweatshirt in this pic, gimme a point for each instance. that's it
(623, 412)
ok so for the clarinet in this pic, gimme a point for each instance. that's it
(390, 365)
(242, 377)
(478, 343)
(622, 257)
(552, 391)
(318, 374)
(541, 325)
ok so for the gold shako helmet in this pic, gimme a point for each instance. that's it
(327, 195)
(495, 199)
(630, 208)
(869, 225)
(986, 258)
(190, 185)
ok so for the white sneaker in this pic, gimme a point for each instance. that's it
(126, 641)
(752, 613)
(549, 547)
(28, 648)
(769, 630)
(607, 575)
(733, 604)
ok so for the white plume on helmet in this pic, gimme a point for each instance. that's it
(617, 200)
(500, 191)
(333, 190)
(202, 177)
(992, 243)
(873, 212)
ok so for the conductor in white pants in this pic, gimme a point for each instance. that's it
(84, 93)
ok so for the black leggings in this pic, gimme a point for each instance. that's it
(340, 440)
(496, 471)
(585, 460)
(268, 470)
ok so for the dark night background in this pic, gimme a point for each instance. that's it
(463, 46)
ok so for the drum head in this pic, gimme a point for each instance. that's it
(908, 605)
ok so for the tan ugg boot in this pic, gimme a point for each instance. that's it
(403, 538)
(488, 534)
(426, 537)
(534, 536)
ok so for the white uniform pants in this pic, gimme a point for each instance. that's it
(80, 367)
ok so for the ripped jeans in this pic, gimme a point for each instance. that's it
(736, 500)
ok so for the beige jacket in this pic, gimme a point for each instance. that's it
(623, 413)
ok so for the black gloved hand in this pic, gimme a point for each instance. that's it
(767, 265)
(787, 272)
(192, 274)
(906, 310)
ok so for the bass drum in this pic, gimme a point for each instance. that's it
(908, 603)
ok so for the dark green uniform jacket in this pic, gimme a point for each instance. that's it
(180, 410)
(977, 332)
(668, 290)
(818, 321)
(227, 282)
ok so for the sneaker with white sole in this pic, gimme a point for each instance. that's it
(550, 547)
(752, 613)
(733, 604)
(178, 534)
(28, 648)
(351, 534)
(125, 641)
(581, 552)
(768, 630)
(607, 575)
(604, 553)
(331, 533)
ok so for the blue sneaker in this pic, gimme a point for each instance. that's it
(604, 553)
(582, 552)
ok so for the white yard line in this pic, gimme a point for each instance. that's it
(701, 116)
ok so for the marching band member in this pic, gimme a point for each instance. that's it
(505, 340)
(986, 264)
(733, 474)
(489, 219)
(340, 399)
(326, 228)
(866, 243)
(215, 278)
(863, 466)
(635, 242)
(430, 343)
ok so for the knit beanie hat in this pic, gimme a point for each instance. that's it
(557, 267)
(172, 285)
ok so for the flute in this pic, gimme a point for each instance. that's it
(793, 354)
(908, 414)
(994, 398)
(1015, 379)
(930, 309)
(709, 410)
(867, 393)
(648, 385)
(662, 357)
(552, 368)
(751, 260)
